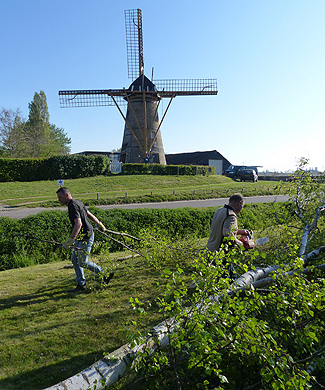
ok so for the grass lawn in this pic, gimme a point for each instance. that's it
(117, 189)
(49, 334)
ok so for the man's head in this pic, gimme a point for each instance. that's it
(64, 195)
(237, 201)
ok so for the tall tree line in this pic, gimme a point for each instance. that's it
(34, 137)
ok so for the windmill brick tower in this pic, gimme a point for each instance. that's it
(142, 140)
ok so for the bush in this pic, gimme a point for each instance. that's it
(157, 169)
(17, 249)
(53, 168)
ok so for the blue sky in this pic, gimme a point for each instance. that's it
(268, 57)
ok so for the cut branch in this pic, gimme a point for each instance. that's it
(308, 229)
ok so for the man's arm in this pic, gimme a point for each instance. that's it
(228, 233)
(93, 218)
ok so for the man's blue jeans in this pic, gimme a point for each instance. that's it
(79, 258)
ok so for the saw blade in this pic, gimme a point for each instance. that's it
(262, 240)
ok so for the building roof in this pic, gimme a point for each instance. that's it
(92, 153)
(196, 158)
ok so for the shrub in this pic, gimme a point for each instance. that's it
(157, 169)
(57, 167)
(55, 226)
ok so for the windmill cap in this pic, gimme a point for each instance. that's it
(142, 83)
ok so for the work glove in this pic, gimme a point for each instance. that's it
(101, 227)
(67, 244)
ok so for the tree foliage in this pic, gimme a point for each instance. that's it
(34, 137)
(260, 339)
(12, 129)
(225, 336)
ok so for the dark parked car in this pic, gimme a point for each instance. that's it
(248, 175)
(235, 171)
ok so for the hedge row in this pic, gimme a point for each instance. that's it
(157, 169)
(53, 168)
(78, 166)
(17, 250)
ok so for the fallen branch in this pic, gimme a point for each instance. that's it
(120, 234)
(114, 366)
(53, 242)
(38, 239)
(314, 254)
(308, 229)
(267, 281)
(121, 243)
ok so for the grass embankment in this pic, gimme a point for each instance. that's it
(49, 334)
(130, 189)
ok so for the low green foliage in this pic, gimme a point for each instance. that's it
(53, 168)
(158, 169)
(21, 241)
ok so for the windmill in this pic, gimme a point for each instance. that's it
(142, 141)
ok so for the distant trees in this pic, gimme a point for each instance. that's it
(11, 133)
(35, 137)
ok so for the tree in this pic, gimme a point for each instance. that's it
(38, 127)
(12, 133)
(59, 141)
(263, 331)
(36, 137)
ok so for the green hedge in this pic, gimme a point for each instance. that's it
(157, 169)
(16, 250)
(57, 167)
(78, 166)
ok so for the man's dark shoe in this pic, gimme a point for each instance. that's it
(106, 279)
(79, 288)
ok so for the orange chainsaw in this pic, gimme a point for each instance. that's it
(249, 242)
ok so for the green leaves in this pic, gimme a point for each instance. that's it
(219, 342)
(63, 167)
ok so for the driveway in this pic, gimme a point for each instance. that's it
(23, 212)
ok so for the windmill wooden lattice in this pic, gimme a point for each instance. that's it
(142, 141)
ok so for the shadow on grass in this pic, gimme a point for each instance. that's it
(44, 294)
(48, 376)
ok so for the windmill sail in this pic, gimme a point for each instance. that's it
(134, 42)
(183, 87)
(91, 98)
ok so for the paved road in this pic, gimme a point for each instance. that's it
(22, 212)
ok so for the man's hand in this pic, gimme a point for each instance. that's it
(244, 232)
(101, 227)
(67, 244)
